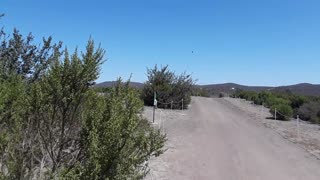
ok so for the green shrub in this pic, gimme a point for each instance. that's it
(264, 96)
(168, 88)
(286, 103)
(284, 111)
(202, 92)
(297, 101)
(117, 141)
(53, 125)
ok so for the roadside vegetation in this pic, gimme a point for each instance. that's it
(199, 91)
(287, 104)
(168, 87)
(53, 125)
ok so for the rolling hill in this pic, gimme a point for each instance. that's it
(301, 89)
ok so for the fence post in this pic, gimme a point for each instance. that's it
(182, 104)
(154, 113)
(275, 114)
(154, 106)
(163, 130)
(298, 127)
(261, 111)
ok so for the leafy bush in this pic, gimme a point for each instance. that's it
(284, 111)
(310, 112)
(117, 141)
(196, 91)
(168, 87)
(273, 101)
(53, 125)
(248, 95)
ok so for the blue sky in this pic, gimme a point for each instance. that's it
(252, 42)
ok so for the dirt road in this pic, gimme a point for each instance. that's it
(214, 140)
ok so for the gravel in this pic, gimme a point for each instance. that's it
(232, 139)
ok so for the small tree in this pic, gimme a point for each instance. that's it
(182, 90)
(168, 87)
(160, 81)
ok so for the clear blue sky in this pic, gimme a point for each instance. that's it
(252, 42)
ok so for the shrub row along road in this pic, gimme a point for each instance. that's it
(215, 140)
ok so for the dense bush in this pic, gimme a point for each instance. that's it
(310, 112)
(270, 100)
(284, 111)
(248, 95)
(102, 89)
(197, 91)
(117, 142)
(286, 103)
(297, 101)
(53, 125)
(168, 88)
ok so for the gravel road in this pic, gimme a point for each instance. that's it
(216, 140)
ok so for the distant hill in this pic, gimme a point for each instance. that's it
(301, 89)
(231, 87)
(112, 83)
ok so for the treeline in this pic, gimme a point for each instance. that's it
(199, 91)
(287, 104)
(53, 125)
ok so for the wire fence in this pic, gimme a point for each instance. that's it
(160, 123)
(167, 105)
(276, 115)
(297, 123)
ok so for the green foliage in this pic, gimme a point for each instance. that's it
(117, 140)
(53, 125)
(12, 110)
(286, 103)
(102, 90)
(169, 87)
(263, 98)
(284, 111)
(297, 101)
(21, 56)
(274, 101)
(202, 92)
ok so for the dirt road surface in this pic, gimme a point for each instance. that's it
(214, 140)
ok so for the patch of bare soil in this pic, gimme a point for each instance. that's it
(164, 120)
